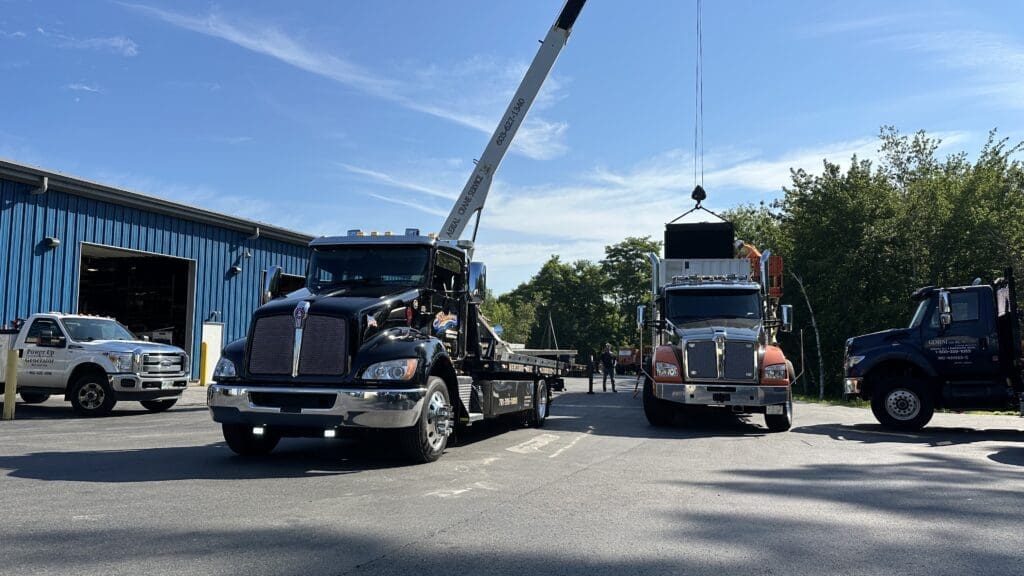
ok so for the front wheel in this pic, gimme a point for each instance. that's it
(902, 406)
(243, 442)
(659, 412)
(426, 440)
(158, 405)
(780, 422)
(91, 396)
(34, 397)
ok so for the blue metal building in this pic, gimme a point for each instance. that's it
(75, 246)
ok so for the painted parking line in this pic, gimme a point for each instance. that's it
(533, 444)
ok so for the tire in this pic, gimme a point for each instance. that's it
(541, 405)
(34, 397)
(426, 440)
(243, 442)
(659, 413)
(91, 396)
(902, 405)
(780, 422)
(158, 405)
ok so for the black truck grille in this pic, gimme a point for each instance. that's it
(323, 352)
(273, 338)
(739, 360)
(702, 361)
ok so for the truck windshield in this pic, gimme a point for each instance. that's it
(340, 266)
(694, 305)
(89, 329)
(922, 311)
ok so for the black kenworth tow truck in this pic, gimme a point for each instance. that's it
(961, 351)
(387, 333)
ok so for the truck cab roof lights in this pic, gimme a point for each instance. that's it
(373, 234)
(355, 232)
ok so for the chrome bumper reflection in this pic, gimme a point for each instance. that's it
(378, 408)
(722, 394)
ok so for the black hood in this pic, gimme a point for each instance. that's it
(876, 339)
(338, 303)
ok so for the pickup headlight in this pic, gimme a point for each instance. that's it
(775, 372)
(666, 369)
(403, 369)
(853, 361)
(225, 369)
(122, 362)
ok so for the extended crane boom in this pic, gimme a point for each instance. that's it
(471, 201)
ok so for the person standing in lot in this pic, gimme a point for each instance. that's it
(607, 367)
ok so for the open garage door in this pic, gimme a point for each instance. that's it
(150, 294)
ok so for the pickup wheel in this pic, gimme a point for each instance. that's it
(91, 396)
(659, 412)
(243, 442)
(902, 404)
(34, 397)
(158, 405)
(780, 422)
(539, 412)
(426, 440)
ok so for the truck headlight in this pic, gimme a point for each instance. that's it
(225, 369)
(403, 369)
(853, 361)
(122, 362)
(666, 369)
(776, 372)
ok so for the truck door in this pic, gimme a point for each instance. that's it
(448, 302)
(45, 358)
(968, 348)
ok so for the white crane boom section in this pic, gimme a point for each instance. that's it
(471, 201)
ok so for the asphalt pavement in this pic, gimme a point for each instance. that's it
(596, 491)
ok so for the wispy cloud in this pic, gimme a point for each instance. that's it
(119, 44)
(15, 34)
(397, 182)
(993, 64)
(429, 91)
(79, 87)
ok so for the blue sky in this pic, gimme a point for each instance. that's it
(326, 116)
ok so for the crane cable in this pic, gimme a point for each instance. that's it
(698, 107)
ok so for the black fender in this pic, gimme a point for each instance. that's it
(872, 361)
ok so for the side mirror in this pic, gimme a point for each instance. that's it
(945, 310)
(640, 316)
(477, 282)
(271, 285)
(786, 312)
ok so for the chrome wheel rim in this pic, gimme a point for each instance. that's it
(91, 396)
(439, 420)
(542, 401)
(902, 404)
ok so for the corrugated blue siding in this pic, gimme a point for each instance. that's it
(34, 278)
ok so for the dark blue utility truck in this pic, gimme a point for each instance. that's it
(961, 351)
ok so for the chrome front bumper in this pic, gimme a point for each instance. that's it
(126, 385)
(356, 408)
(723, 394)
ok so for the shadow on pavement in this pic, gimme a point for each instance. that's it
(620, 414)
(929, 436)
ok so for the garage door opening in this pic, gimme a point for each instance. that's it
(150, 294)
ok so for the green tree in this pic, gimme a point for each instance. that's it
(627, 271)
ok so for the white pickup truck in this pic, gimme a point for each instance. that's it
(95, 362)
